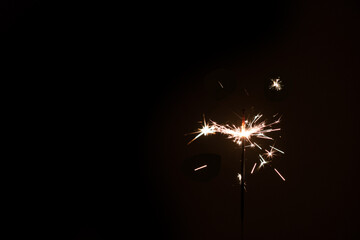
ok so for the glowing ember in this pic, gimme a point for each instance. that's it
(262, 161)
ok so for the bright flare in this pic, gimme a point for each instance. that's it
(205, 130)
(276, 84)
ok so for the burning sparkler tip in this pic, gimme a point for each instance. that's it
(243, 134)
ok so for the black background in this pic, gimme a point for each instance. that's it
(102, 96)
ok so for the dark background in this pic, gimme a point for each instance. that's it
(102, 96)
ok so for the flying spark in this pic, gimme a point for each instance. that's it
(252, 170)
(262, 161)
(200, 167)
(220, 84)
(277, 149)
(276, 84)
(279, 174)
(257, 146)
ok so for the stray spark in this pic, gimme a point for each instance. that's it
(276, 84)
(257, 145)
(200, 167)
(279, 174)
(277, 149)
(253, 168)
(220, 84)
(262, 161)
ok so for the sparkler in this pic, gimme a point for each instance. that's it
(249, 131)
(242, 170)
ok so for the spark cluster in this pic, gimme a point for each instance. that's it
(248, 132)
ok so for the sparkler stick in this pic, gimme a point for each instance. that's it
(242, 183)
